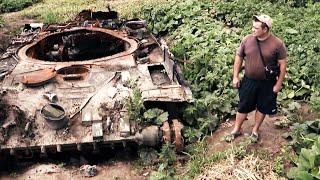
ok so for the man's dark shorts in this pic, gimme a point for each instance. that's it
(257, 94)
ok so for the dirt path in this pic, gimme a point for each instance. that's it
(113, 164)
(117, 170)
(270, 136)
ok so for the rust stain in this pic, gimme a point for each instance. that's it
(178, 140)
(166, 132)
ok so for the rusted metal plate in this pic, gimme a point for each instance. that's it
(97, 131)
(39, 77)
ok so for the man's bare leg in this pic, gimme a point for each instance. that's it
(240, 117)
(259, 117)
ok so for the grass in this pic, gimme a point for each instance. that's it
(54, 11)
(250, 167)
(236, 162)
(200, 157)
(15, 5)
(1, 21)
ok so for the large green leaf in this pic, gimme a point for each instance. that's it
(152, 113)
(299, 174)
(162, 118)
(306, 159)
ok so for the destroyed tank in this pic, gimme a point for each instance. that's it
(67, 87)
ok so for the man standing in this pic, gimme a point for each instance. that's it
(256, 91)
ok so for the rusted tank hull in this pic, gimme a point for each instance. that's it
(91, 83)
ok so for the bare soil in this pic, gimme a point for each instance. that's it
(116, 170)
(13, 21)
(270, 136)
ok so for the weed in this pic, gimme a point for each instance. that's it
(199, 156)
(13, 175)
(65, 10)
(51, 18)
(148, 156)
(62, 165)
(15, 5)
(315, 102)
(166, 169)
(285, 122)
(278, 166)
(1, 21)
(138, 113)
(135, 106)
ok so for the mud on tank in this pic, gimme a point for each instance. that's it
(66, 87)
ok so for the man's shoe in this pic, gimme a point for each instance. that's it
(254, 137)
(230, 137)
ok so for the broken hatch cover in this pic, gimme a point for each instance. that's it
(39, 77)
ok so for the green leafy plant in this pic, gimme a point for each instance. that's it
(308, 163)
(166, 169)
(315, 101)
(138, 113)
(148, 156)
(15, 5)
(155, 116)
(278, 166)
(135, 106)
(284, 122)
(304, 134)
(207, 34)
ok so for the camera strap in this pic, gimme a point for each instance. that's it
(261, 57)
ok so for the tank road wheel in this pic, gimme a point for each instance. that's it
(166, 132)
(177, 139)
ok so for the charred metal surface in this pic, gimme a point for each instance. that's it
(64, 86)
(158, 75)
(76, 72)
(86, 15)
(78, 45)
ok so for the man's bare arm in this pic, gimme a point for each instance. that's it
(236, 70)
(283, 69)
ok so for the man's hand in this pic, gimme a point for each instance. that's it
(236, 82)
(276, 88)
(236, 69)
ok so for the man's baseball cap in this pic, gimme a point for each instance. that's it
(265, 19)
